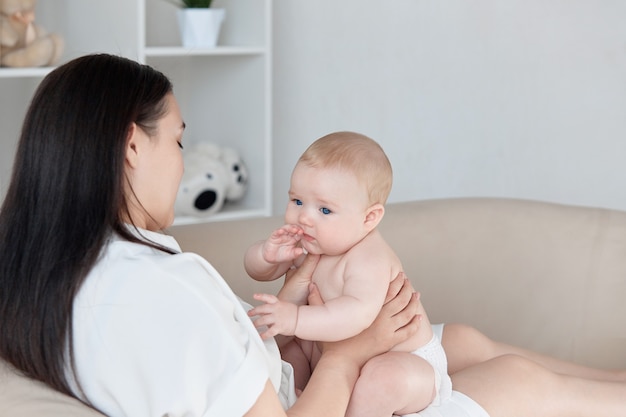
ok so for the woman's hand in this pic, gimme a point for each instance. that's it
(296, 287)
(396, 322)
(329, 389)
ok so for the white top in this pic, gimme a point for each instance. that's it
(158, 334)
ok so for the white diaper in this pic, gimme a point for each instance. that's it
(457, 405)
(434, 354)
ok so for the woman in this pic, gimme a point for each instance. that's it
(99, 305)
(150, 331)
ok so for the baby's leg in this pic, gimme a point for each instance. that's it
(465, 346)
(395, 382)
(299, 357)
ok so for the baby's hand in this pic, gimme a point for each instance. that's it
(280, 317)
(282, 245)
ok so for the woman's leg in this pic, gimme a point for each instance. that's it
(513, 386)
(465, 346)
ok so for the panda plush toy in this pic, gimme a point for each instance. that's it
(213, 176)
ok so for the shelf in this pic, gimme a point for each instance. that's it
(175, 51)
(225, 214)
(224, 92)
(39, 72)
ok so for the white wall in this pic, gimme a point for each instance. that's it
(514, 98)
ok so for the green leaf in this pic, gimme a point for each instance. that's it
(197, 4)
(192, 4)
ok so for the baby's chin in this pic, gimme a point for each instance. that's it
(315, 249)
(312, 249)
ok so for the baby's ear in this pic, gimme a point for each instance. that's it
(373, 215)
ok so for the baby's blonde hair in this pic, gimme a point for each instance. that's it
(356, 154)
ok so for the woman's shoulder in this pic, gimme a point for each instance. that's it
(127, 268)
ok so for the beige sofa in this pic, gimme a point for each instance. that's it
(545, 276)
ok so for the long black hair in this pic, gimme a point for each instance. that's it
(65, 199)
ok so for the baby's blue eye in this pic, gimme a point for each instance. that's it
(298, 202)
(324, 210)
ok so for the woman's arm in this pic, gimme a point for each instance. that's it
(328, 391)
(267, 404)
(296, 287)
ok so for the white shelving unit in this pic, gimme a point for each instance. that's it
(224, 92)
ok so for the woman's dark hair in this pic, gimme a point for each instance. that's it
(65, 200)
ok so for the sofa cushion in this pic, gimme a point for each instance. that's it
(24, 397)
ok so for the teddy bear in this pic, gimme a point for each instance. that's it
(22, 42)
(213, 176)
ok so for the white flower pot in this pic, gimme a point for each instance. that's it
(200, 28)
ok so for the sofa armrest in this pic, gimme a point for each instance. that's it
(24, 397)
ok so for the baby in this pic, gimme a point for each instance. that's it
(336, 200)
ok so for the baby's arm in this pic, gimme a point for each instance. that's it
(365, 287)
(269, 259)
(339, 318)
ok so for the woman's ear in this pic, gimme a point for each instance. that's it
(132, 145)
(373, 215)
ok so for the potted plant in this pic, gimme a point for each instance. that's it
(199, 23)
(196, 4)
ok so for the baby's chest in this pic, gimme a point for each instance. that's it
(329, 276)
